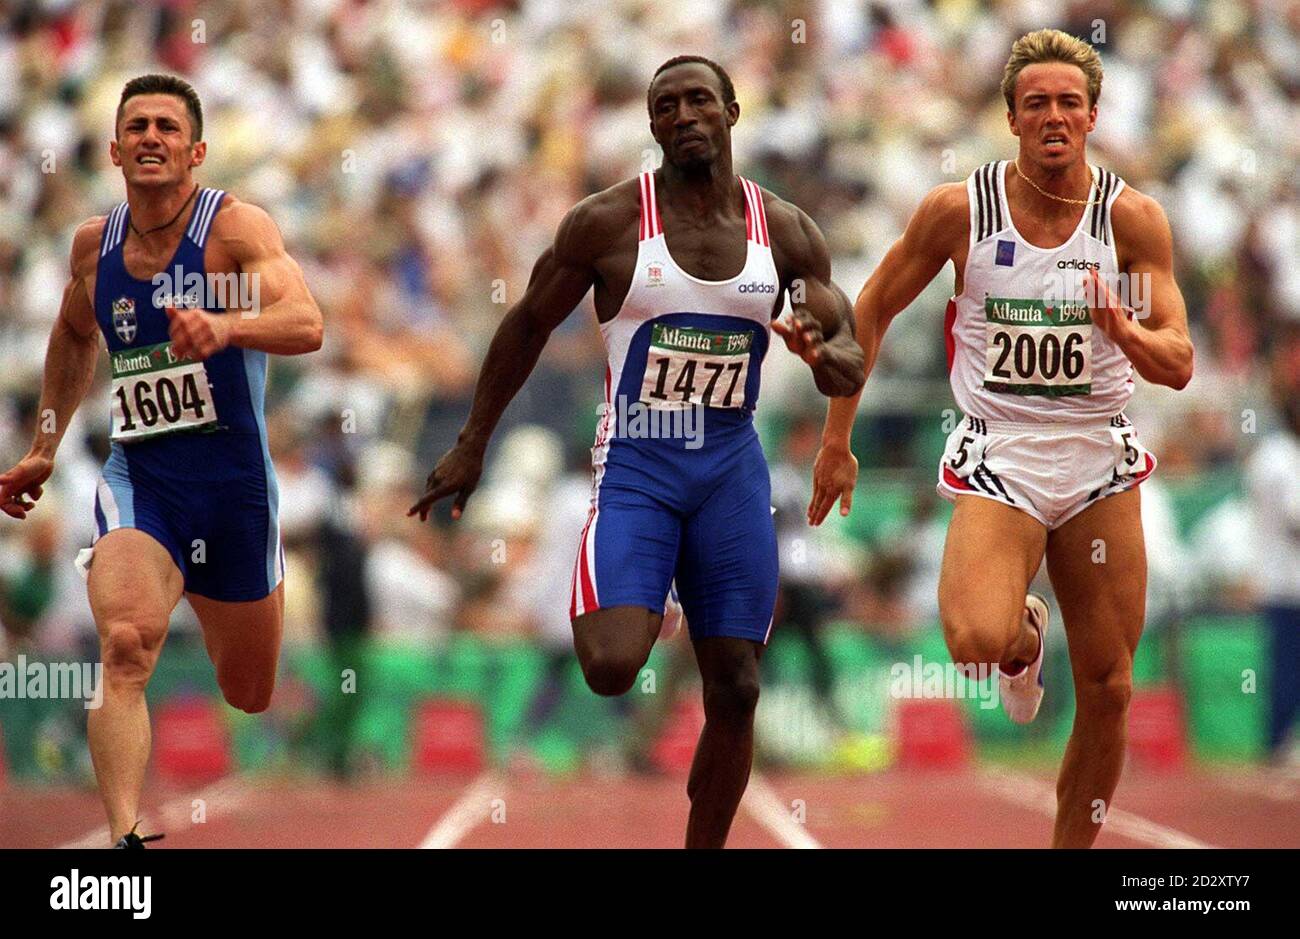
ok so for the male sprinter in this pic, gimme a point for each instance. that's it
(187, 502)
(1044, 461)
(685, 318)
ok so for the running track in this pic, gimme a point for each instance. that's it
(988, 807)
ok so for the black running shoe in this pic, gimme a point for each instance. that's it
(132, 841)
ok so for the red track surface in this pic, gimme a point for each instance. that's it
(1243, 808)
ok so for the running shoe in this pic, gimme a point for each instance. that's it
(1022, 692)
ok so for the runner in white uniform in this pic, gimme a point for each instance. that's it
(1043, 463)
(1028, 369)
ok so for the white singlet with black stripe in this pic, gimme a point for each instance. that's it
(1020, 340)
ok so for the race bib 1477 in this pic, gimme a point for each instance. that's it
(154, 392)
(1037, 348)
(686, 366)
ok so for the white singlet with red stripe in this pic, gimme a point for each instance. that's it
(660, 288)
(1021, 344)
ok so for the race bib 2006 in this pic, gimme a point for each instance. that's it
(686, 367)
(1037, 348)
(154, 392)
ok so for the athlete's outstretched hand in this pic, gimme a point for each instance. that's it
(22, 483)
(458, 471)
(197, 334)
(835, 473)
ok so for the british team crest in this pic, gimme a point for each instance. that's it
(124, 318)
(654, 274)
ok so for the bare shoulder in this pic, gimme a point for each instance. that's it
(597, 222)
(1140, 226)
(785, 220)
(85, 245)
(242, 221)
(1134, 211)
(945, 211)
(798, 245)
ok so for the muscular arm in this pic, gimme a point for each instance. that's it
(1155, 339)
(284, 318)
(560, 279)
(821, 309)
(73, 347)
(69, 370)
(906, 270)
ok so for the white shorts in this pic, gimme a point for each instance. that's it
(1051, 471)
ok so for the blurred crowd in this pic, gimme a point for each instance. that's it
(418, 157)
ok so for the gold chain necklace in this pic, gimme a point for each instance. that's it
(1092, 175)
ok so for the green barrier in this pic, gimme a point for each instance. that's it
(880, 509)
(860, 668)
(518, 673)
(1226, 667)
(466, 665)
(928, 447)
(787, 661)
(183, 668)
(313, 724)
(1193, 497)
(44, 738)
(1149, 662)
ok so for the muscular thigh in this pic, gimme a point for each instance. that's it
(620, 634)
(232, 541)
(1097, 563)
(727, 568)
(244, 633)
(133, 581)
(626, 554)
(991, 554)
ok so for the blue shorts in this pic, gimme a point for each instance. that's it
(220, 526)
(702, 517)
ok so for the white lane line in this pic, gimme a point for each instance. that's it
(761, 802)
(473, 807)
(225, 795)
(1265, 783)
(1030, 793)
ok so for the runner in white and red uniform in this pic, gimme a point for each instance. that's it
(1041, 351)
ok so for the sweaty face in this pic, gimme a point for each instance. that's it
(1052, 116)
(153, 144)
(687, 116)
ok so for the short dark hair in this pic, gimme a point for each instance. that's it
(728, 89)
(165, 85)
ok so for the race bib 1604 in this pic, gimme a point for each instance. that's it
(154, 392)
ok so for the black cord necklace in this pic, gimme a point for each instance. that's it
(168, 224)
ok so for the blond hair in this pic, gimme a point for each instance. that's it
(1051, 45)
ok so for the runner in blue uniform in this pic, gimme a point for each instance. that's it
(191, 290)
(690, 264)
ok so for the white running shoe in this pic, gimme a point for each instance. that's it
(673, 615)
(1022, 693)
